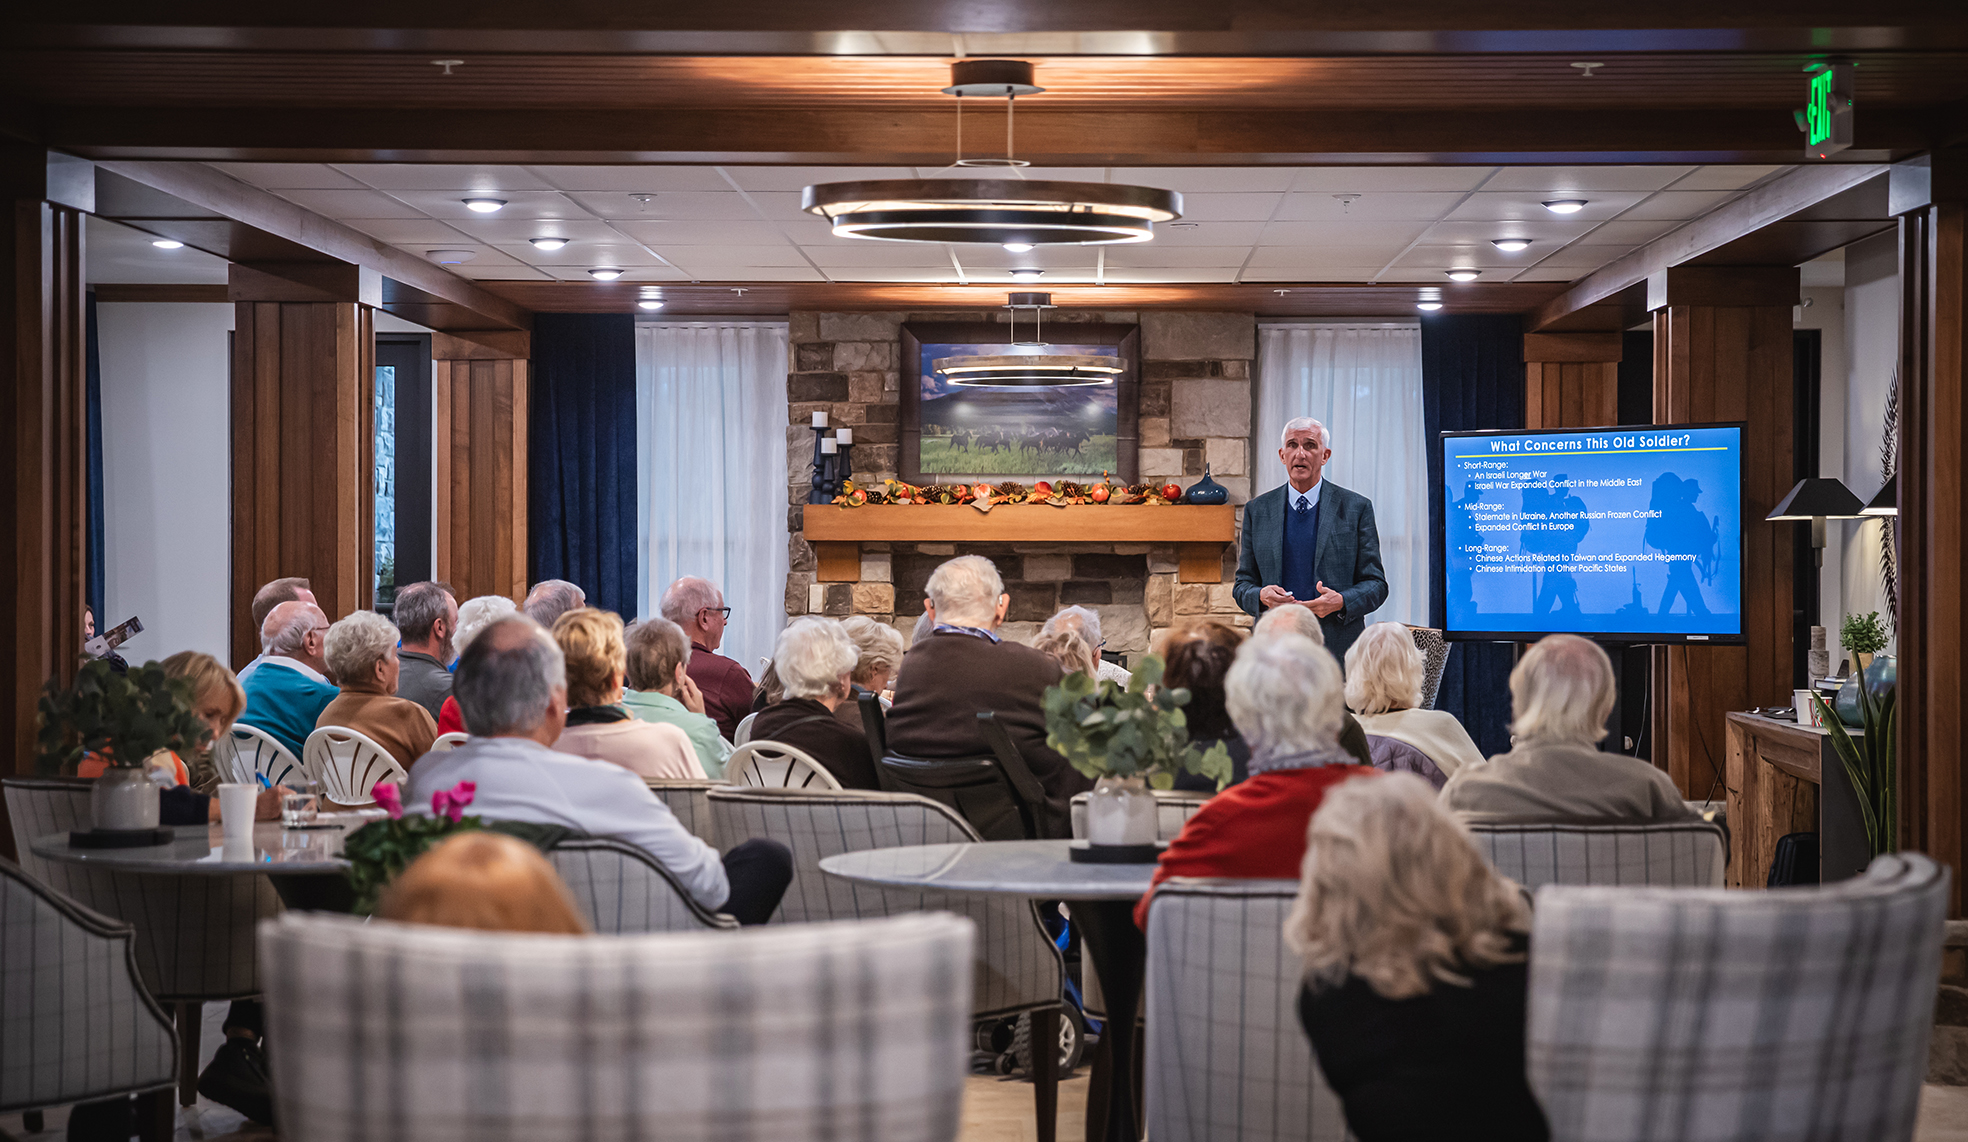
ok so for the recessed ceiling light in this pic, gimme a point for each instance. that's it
(649, 303)
(1018, 247)
(167, 243)
(1428, 306)
(450, 257)
(1464, 275)
(606, 274)
(484, 205)
(1565, 205)
(1510, 245)
(1026, 275)
(548, 244)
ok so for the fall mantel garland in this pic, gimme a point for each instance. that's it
(986, 496)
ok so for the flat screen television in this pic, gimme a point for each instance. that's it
(1619, 534)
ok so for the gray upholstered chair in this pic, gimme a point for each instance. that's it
(75, 1021)
(1392, 755)
(1017, 969)
(1173, 809)
(1669, 854)
(385, 1032)
(1226, 1056)
(1712, 1014)
(1434, 657)
(622, 891)
(689, 799)
(194, 934)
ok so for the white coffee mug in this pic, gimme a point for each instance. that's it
(236, 805)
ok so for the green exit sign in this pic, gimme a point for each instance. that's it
(1827, 118)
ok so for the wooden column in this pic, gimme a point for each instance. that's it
(1722, 352)
(303, 455)
(42, 391)
(479, 401)
(1930, 196)
(1571, 380)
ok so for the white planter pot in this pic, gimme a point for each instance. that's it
(124, 798)
(1120, 811)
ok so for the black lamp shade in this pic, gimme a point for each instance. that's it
(1887, 502)
(1820, 498)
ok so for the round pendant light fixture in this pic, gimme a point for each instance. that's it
(1511, 245)
(1016, 213)
(484, 205)
(1029, 370)
(1565, 205)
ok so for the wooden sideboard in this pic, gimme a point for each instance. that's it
(1785, 778)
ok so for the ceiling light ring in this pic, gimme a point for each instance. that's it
(1147, 202)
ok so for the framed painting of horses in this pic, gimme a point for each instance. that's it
(960, 431)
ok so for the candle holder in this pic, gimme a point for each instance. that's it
(843, 465)
(824, 486)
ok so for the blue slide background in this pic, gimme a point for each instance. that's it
(1630, 531)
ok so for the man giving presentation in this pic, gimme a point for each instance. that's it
(1312, 542)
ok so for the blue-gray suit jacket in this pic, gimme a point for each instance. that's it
(1348, 559)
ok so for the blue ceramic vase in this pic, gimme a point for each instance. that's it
(1881, 677)
(1206, 491)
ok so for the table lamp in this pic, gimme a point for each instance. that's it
(1818, 499)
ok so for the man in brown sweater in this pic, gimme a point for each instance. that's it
(962, 668)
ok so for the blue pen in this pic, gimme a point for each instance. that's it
(264, 783)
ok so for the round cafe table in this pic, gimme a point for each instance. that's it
(1102, 898)
(304, 865)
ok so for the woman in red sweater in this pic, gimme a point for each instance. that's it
(1284, 695)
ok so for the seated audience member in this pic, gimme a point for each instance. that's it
(1298, 619)
(551, 598)
(511, 684)
(1415, 972)
(290, 590)
(661, 690)
(881, 650)
(1071, 652)
(362, 656)
(286, 695)
(187, 799)
(815, 660)
(1198, 659)
(427, 615)
(925, 623)
(964, 668)
(698, 607)
(474, 615)
(769, 691)
(1284, 698)
(598, 725)
(1085, 621)
(1384, 672)
(1561, 694)
(483, 880)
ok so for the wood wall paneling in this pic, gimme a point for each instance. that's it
(480, 452)
(1571, 380)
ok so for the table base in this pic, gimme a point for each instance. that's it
(1120, 954)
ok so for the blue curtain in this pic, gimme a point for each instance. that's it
(582, 453)
(94, 589)
(1472, 377)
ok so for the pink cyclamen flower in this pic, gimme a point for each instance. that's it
(389, 797)
(451, 802)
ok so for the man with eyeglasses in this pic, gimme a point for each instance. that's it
(698, 607)
(286, 695)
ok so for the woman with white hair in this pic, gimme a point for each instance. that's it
(815, 662)
(1283, 693)
(474, 615)
(1561, 694)
(361, 653)
(1415, 972)
(1384, 672)
(880, 650)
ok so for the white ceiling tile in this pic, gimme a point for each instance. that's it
(340, 204)
(1376, 256)
(1504, 205)
(718, 272)
(1726, 177)
(1546, 232)
(702, 233)
(581, 256)
(444, 176)
(782, 204)
(629, 274)
(1210, 207)
(484, 255)
(794, 178)
(289, 176)
(1353, 234)
(693, 256)
(450, 204)
(1681, 204)
(1208, 180)
(945, 274)
(500, 273)
(1041, 174)
(871, 254)
(124, 255)
(407, 229)
(1128, 275)
(1148, 257)
(1316, 205)
(1622, 230)
(1042, 258)
(691, 205)
(497, 228)
(1306, 271)
(1580, 180)
(632, 179)
(1548, 274)
(1423, 275)
(1200, 234)
(1481, 256)
(1582, 257)
(1368, 179)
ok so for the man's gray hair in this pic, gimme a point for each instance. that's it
(656, 648)
(1562, 691)
(505, 683)
(1084, 620)
(474, 615)
(357, 643)
(812, 655)
(689, 596)
(925, 624)
(1292, 618)
(965, 590)
(418, 607)
(287, 627)
(1283, 693)
(551, 598)
(1300, 422)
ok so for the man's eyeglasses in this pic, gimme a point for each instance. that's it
(723, 611)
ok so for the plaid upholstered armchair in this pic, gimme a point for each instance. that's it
(1226, 1055)
(621, 890)
(406, 1033)
(1671, 854)
(1704, 1015)
(689, 799)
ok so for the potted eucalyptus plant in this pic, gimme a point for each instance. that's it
(122, 717)
(1128, 740)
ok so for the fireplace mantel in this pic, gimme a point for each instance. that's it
(1200, 532)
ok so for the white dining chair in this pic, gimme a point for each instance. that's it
(244, 754)
(743, 733)
(445, 743)
(348, 763)
(776, 765)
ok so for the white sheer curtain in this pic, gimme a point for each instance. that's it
(1363, 382)
(711, 471)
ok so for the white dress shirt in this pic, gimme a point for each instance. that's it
(521, 780)
(296, 664)
(1309, 498)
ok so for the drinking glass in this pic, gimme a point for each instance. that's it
(299, 806)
